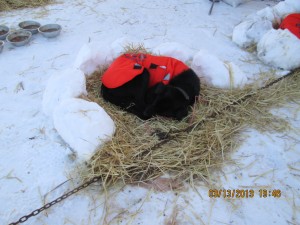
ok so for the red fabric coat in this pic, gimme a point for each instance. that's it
(292, 23)
(128, 66)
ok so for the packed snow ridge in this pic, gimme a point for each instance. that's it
(275, 47)
(85, 125)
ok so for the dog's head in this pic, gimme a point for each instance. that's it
(167, 100)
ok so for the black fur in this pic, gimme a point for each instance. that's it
(164, 100)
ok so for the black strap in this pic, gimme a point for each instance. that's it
(183, 92)
(153, 66)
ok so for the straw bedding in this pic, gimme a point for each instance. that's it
(141, 151)
(6, 5)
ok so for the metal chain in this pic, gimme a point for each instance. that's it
(59, 199)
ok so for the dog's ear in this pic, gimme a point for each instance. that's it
(159, 88)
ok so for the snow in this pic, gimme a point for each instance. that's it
(91, 56)
(44, 120)
(175, 50)
(273, 50)
(213, 71)
(117, 46)
(250, 32)
(62, 85)
(286, 7)
(266, 13)
(83, 125)
(274, 47)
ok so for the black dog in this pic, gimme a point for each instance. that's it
(171, 100)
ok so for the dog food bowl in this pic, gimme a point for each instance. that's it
(31, 26)
(4, 30)
(1, 46)
(50, 30)
(19, 38)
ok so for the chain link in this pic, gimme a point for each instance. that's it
(59, 199)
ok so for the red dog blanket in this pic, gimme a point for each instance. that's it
(128, 66)
(292, 23)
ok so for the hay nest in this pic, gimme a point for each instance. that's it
(141, 151)
(6, 5)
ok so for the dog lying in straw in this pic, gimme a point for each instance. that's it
(148, 85)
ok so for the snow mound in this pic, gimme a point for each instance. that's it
(280, 48)
(217, 73)
(91, 56)
(250, 32)
(83, 125)
(67, 84)
(287, 7)
(175, 50)
(234, 3)
(274, 47)
(267, 13)
(94, 55)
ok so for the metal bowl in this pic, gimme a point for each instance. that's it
(19, 38)
(4, 30)
(31, 26)
(1, 46)
(50, 30)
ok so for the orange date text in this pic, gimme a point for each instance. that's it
(231, 193)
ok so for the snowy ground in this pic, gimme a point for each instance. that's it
(34, 159)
